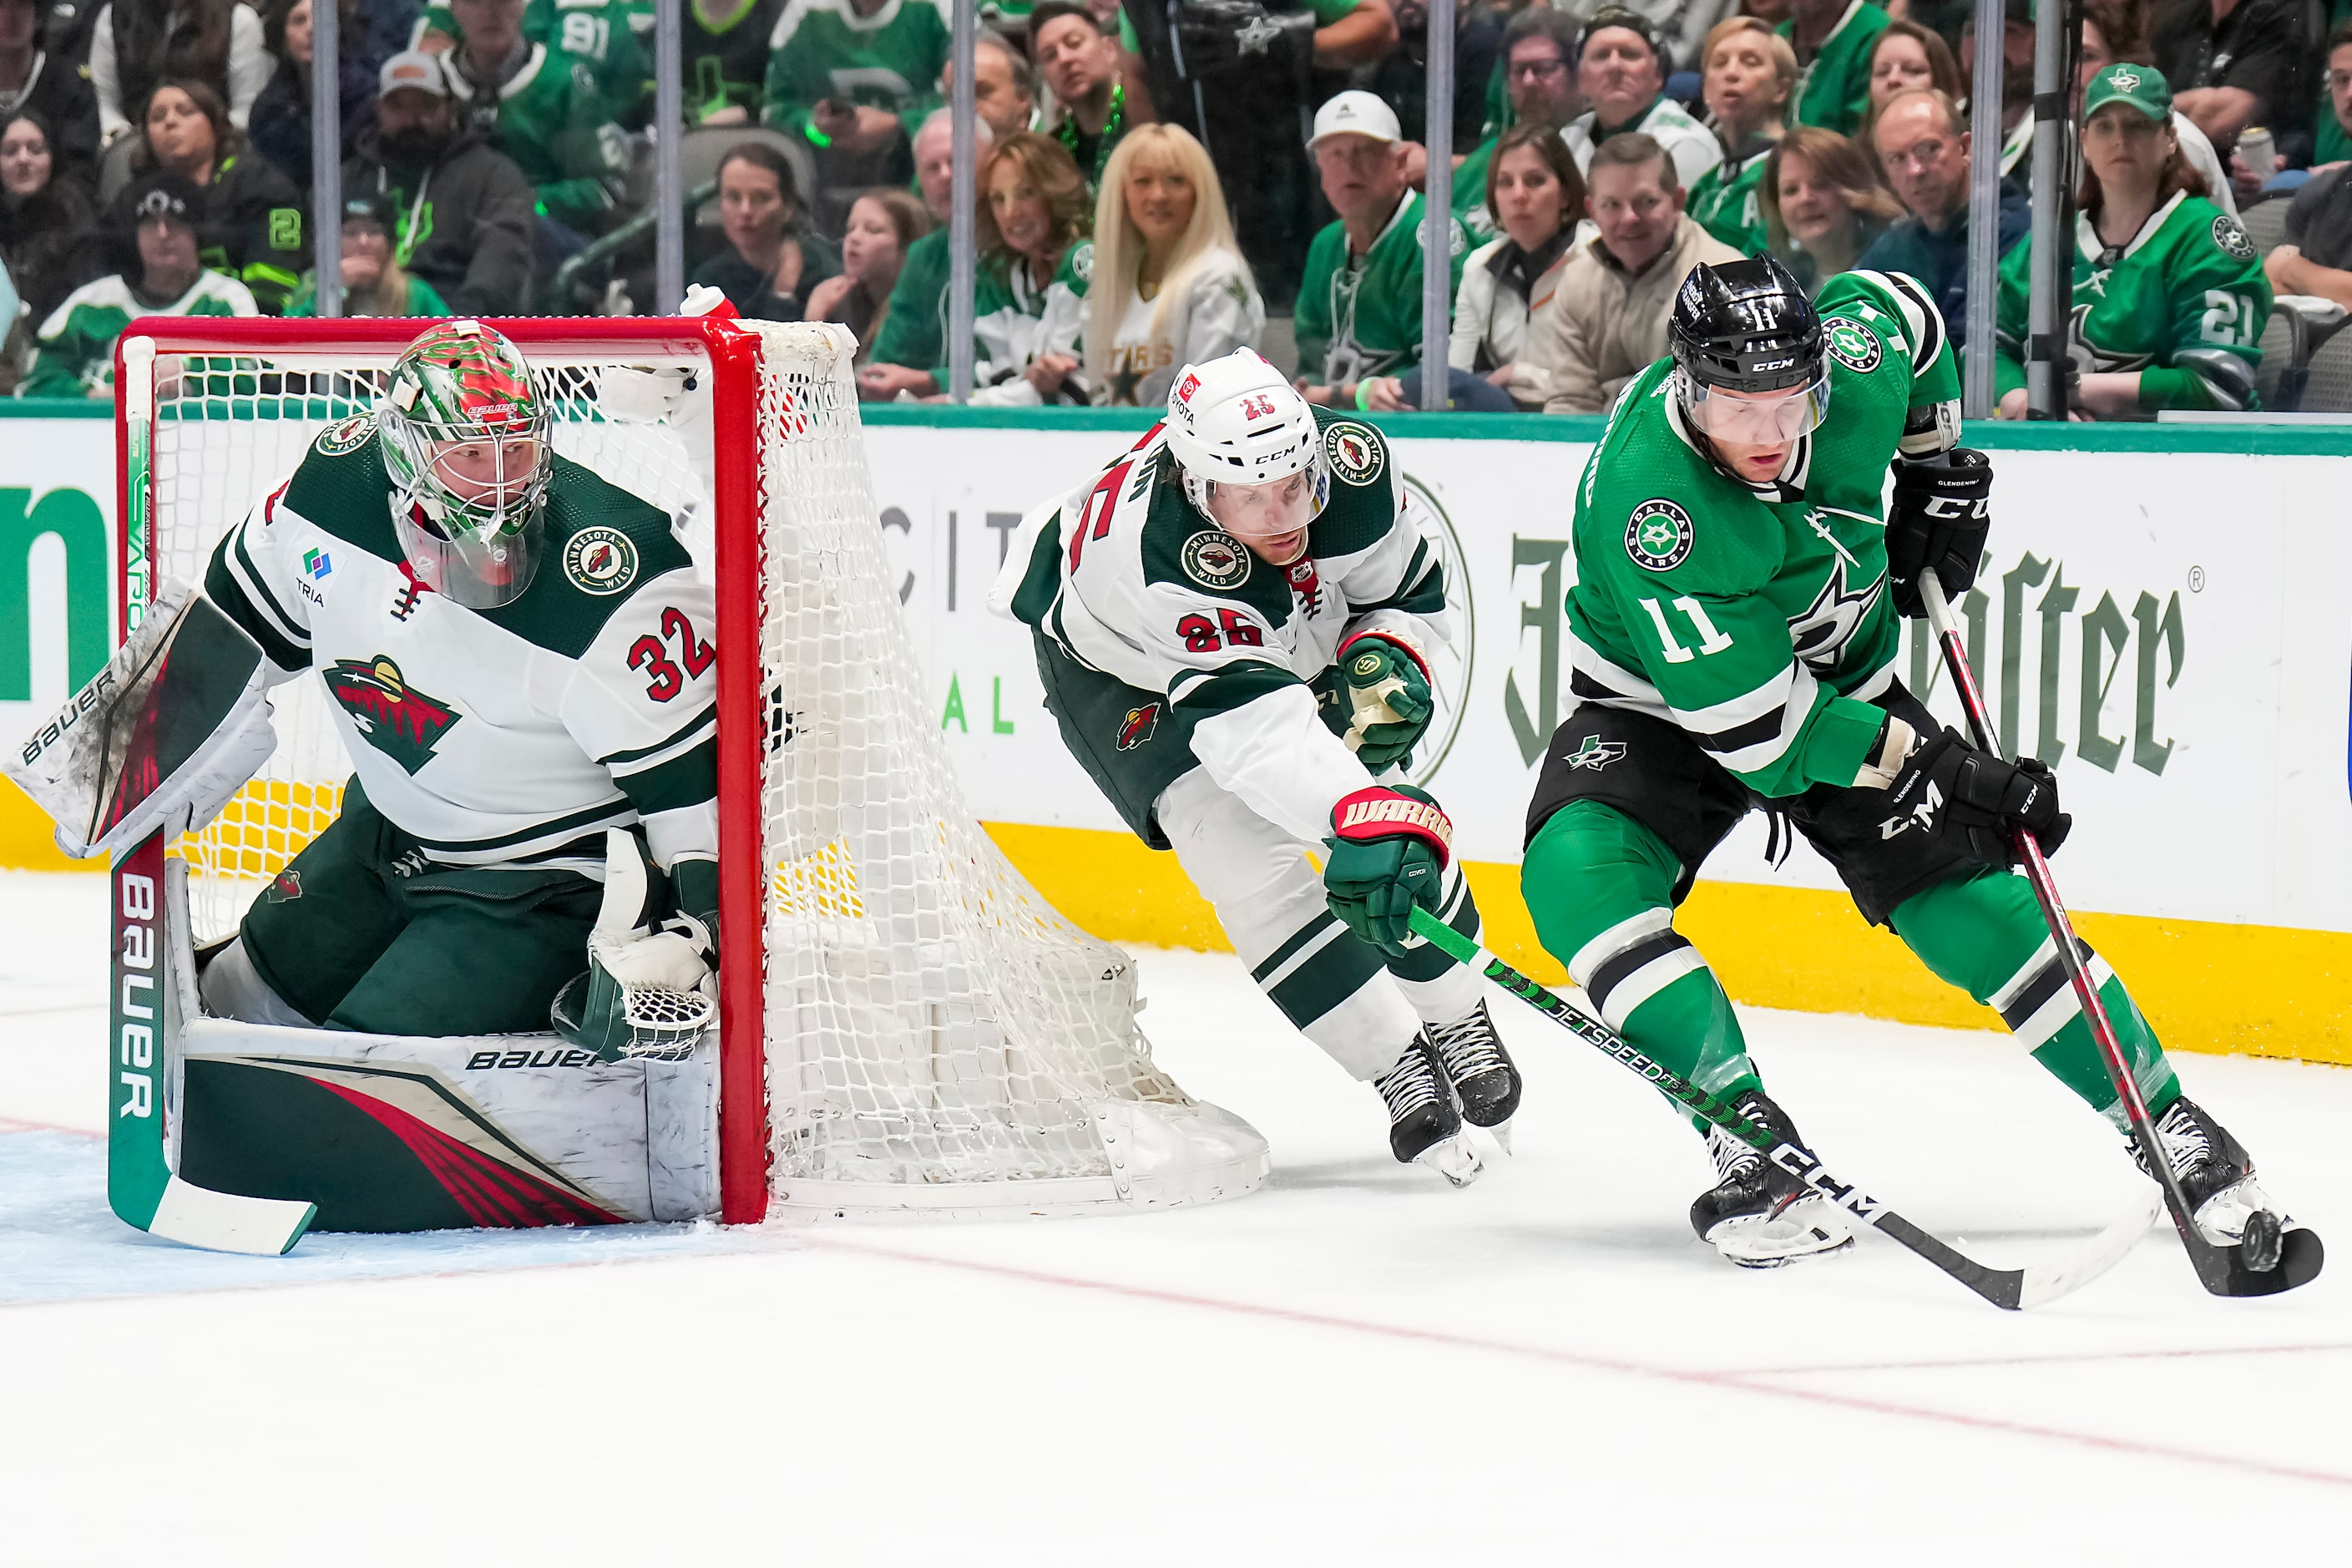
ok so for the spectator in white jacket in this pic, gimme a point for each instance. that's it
(1165, 285)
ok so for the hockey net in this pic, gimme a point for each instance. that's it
(907, 1026)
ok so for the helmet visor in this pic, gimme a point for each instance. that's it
(1271, 518)
(481, 571)
(1756, 418)
(490, 479)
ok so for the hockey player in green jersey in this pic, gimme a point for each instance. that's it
(2170, 298)
(517, 656)
(1233, 622)
(1733, 632)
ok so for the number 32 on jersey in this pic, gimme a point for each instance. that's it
(651, 654)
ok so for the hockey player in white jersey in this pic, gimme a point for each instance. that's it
(519, 657)
(1234, 623)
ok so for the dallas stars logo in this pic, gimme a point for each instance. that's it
(1595, 754)
(1830, 622)
(2128, 80)
(391, 715)
(1257, 37)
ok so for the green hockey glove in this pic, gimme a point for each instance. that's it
(1388, 697)
(1388, 852)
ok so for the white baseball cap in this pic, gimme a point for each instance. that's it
(1356, 113)
(412, 68)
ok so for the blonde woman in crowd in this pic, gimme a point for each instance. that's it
(1164, 284)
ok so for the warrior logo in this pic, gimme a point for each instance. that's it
(1137, 726)
(1658, 535)
(285, 888)
(1854, 346)
(601, 560)
(1354, 452)
(1594, 753)
(393, 717)
(1215, 560)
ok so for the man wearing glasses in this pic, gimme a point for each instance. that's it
(1922, 146)
(1539, 74)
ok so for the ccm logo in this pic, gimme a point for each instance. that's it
(1776, 364)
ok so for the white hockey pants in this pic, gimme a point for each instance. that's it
(1336, 989)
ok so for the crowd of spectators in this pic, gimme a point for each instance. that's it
(1159, 181)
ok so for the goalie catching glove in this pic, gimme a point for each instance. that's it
(1389, 851)
(648, 992)
(1387, 699)
(160, 738)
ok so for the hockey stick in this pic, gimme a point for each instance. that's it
(2294, 1255)
(2010, 1289)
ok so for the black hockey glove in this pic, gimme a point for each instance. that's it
(1388, 852)
(1940, 517)
(1948, 786)
(1217, 35)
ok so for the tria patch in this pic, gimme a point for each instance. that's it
(1595, 754)
(348, 436)
(601, 560)
(1137, 726)
(391, 715)
(2231, 237)
(1853, 345)
(1215, 560)
(319, 563)
(1658, 535)
(1356, 453)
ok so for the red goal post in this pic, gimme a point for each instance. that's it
(905, 1027)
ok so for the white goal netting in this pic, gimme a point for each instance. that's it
(934, 1037)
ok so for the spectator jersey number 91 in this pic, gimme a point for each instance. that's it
(1132, 580)
(1756, 618)
(493, 736)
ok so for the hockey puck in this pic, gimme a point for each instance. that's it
(2260, 1242)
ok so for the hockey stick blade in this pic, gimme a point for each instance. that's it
(2222, 1270)
(2009, 1288)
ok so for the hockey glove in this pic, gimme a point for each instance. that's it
(1940, 517)
(1388, 699)
(1948, 786)
(647, 993)
(1388, 852)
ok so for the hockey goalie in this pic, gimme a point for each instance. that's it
(518, 658)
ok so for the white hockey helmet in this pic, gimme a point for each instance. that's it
(1236, 421)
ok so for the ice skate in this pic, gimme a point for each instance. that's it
(1425, 1122)
(1484, 1079)
(2217, 1178)
(1757, 1215)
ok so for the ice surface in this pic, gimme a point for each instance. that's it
(1359, 1365)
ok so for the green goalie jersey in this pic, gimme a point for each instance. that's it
(2192, 279)
(1756, 618)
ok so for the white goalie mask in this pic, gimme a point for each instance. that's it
(465, 445)
(1235, 421)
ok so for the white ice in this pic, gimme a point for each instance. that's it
(1357, 1365)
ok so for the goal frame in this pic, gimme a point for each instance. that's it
(733, 356)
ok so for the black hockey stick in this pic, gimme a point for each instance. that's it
(2005, 1288)
(2268, 1261)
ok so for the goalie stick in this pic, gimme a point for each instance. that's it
(2010, 1289)
(2294, 1255)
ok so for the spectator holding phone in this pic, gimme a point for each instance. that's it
(855, 77)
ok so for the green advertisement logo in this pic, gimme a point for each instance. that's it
(76, 520)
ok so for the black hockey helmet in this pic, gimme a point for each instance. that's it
(1745, 326)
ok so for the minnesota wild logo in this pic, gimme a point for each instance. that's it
(348, 436)
(1595, 754)
(1137, 726)
(391, 715)
(1354, 452)
(1853, 345)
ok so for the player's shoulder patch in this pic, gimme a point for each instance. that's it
(1215, 560)
(2231, 237)
(601, 560)
(1358, 454)
(605, 545)
(1851, 344)
(347, 436)
(1659, 535)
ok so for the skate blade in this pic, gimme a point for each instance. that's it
(1499, 1135)
(1457, 1159)
(1808, 1229)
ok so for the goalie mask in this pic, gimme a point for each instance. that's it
(1251, 453)
(466, 446)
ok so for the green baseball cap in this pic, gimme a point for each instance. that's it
(2142, 86)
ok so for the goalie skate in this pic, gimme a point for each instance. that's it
(1757, 1215)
